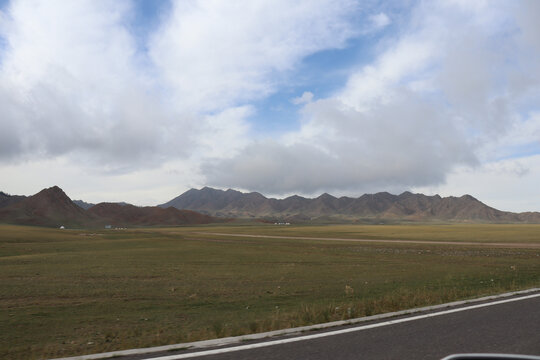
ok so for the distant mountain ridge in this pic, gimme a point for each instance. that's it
(6, 199)
(127, 214)
(383, 205)
(52, 207)
(83, 204)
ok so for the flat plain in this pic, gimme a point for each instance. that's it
(73, 292)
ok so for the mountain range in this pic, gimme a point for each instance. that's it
(368, 207)
(52, 207)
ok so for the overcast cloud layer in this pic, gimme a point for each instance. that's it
(457, 80)
(431, 94)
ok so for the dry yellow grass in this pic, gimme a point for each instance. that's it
(85, 291)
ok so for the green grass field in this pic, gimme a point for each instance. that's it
(75, 292)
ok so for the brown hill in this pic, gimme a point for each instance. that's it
(129, 215)
(52, 207)
(49, 207)
(220, 203)
(6, 199)
(379, 206)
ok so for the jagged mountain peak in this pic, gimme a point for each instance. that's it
(381, 205)
(53, 192)
(406, 194)
(295, 197)
(326, 196)
(232, 191)
(468, 197)
(50, 206)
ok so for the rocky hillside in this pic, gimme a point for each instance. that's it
(49, 207)
(406, 206)
(83, 204)
(6, 199)
(52, 207)
(128, 215)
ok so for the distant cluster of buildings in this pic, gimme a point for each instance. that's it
(108, 227)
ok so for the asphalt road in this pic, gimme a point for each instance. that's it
(512, 327)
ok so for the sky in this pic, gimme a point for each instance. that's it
(141, 100)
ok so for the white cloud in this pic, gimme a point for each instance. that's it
(400, 145)
(457, 88)
(224, 133)
(74, 84)
(214, 54)
(508, 185)
(380, 20)
(78, 41)
(522, 138)
(405, 61)
(306, 98)
(141, 187)
(434, 100)
(73, 81)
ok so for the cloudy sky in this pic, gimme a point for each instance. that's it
(138, 101)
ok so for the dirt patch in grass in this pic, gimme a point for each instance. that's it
(384, 241)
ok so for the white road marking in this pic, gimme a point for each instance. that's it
(293, 331)
(336, 332)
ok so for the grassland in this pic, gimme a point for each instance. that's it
(73, 292)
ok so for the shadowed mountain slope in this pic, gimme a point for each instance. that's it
(52, 207)
(383, 205)
(219, 202)
(49, 207)
(6, 199)
(123, 215)
(83, 204)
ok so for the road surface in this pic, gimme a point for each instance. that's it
(505, 327)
